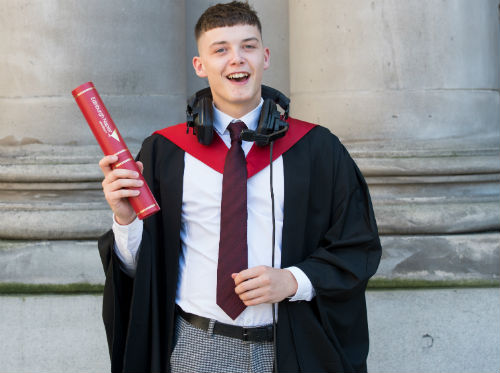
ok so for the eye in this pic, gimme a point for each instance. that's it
(249, 46)
(220, 50)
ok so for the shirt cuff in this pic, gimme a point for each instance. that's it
(127, 241)
(305, 290)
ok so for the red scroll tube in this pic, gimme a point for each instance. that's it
(111, 143)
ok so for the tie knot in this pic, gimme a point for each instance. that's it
(235, 129)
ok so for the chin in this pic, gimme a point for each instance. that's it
(245, 94)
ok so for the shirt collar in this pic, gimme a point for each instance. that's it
(222, 120)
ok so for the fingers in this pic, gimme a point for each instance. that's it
(248, 274)
(106, 162)
(264, 284)
(117, 185)
(254, 283)
(120, 182)
(120, 191)
(120, 174)
(256, 299)
(258, 295)
(140, 165)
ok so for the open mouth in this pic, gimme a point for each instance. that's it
(238, 77)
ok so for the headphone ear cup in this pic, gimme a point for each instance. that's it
(205, 134)
(205, 121)
(200, 116)
(262, 126)
(266, 122)
(278, 98)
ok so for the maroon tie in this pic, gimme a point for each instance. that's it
(233, 256)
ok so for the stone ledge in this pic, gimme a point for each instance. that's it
(57, 216)
(64, 163)
(50, 262)
(17, 288)
(55, 224)
(467, 257)
(48, 163)
(430, 179)
(406, 218)
(375, 284)
(407, 261)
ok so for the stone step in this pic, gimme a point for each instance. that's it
(50, 262)
(441, 258)
(55, 214)
(430, 258)
(419, 218)
(35, 163)
(44, 215)
(50, 192)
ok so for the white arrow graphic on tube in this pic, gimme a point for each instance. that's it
(115, 136)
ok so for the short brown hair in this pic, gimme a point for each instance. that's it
(226, 15)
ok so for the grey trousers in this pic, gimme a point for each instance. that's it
(198, 351)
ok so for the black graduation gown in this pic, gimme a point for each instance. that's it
(329, 231)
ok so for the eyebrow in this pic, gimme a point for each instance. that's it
(253, 38)
(222, 42)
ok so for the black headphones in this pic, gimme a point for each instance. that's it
(271, 124)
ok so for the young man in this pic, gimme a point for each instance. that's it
(190, 289)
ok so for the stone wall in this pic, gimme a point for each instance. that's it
(411, 88)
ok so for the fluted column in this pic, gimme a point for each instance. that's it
(49, 177)
(412, 88)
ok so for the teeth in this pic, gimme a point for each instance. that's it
(237, 75)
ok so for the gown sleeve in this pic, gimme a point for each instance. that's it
(349, 250)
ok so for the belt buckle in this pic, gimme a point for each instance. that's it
(245, 334)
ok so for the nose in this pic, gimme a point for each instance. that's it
(237, 58)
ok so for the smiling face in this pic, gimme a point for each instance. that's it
(233, 59)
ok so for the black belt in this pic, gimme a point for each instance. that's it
(256, 334)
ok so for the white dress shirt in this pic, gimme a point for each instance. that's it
(200, 229)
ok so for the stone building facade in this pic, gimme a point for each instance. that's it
(411, 88)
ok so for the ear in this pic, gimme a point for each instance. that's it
(267, 58)
(198, 67)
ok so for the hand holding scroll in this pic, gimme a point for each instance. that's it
(115, 190)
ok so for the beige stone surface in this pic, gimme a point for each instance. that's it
(49, 48)
(410, 87)
(446, 330)
(383, 45)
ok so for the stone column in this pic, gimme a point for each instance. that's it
(412, 88)
(49, 177)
